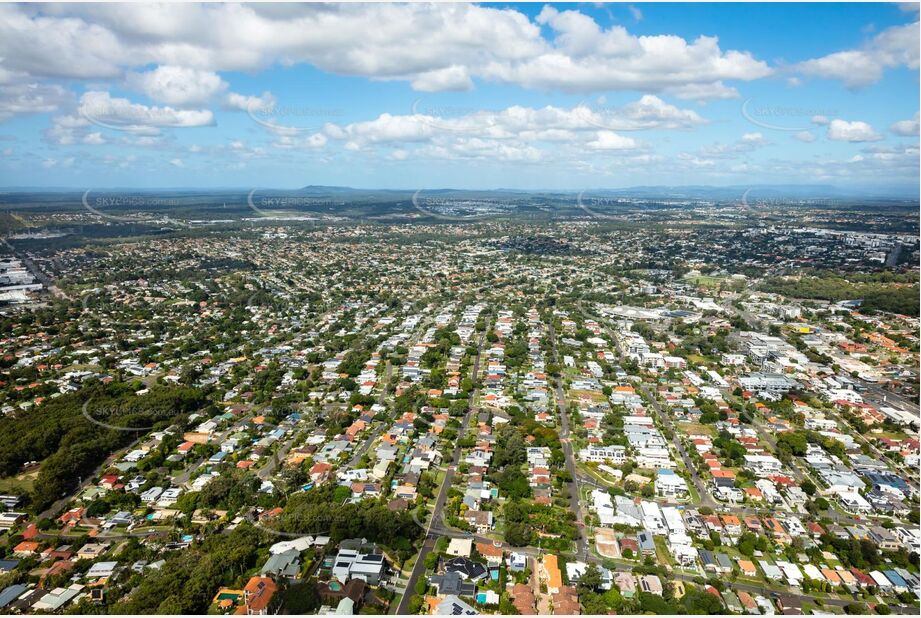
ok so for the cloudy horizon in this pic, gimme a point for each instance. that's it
(531, 96)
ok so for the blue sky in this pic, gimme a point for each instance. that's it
(534, 96)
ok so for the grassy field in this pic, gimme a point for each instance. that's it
(593, 395)
(697, 428)
(19, 484)
(705, 280)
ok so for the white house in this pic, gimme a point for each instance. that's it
(600, 454)
(763, 465)
(670, 485)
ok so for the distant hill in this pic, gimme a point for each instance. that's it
(694, 192)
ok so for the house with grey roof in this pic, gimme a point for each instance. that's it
(452, 583)
(286, 564)
(11, 593)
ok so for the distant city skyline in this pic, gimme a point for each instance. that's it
(480, 96)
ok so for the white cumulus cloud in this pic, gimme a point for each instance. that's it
(176, 85)
(894, 47)
(431, 46)
(854, 131)
(906, 128)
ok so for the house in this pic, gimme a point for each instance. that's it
(731, 525)
(600, 454)
(789, 605)
(881, 580)
(398, 504)
(257, 597)
(791, 572)
(320, 472)
(651, 584)
(747, 568)
(517, 562)
(576, 569)
(357, 559)
(683, 552)
(566, 602)
(523, 599)
(491, 553)
(669, 485)
(151, 495)
(763, 465)
(732, 602)
(884, 539)
(626, 583)
(898, 584)
(334, 593)
(11, 593)
(9, 519)
(24, 549)
(466, 568)
(647, 543)
(723, 563)
(628, 544)
(452, 583)
(748, 603)
(102, 569)
(551, 573)
(853, 502)
(481, 521)
(57, 598)
(286, 564)
(724, 488)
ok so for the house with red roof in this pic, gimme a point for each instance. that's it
(257, 597)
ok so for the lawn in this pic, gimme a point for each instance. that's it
(598, 475)
(695, 495)
(662, 552)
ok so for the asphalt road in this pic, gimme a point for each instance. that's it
(388, 371)
(434, 530)
(706, 498)
(37, 272)
(566, 442)
(438, 530)
(361, 450)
